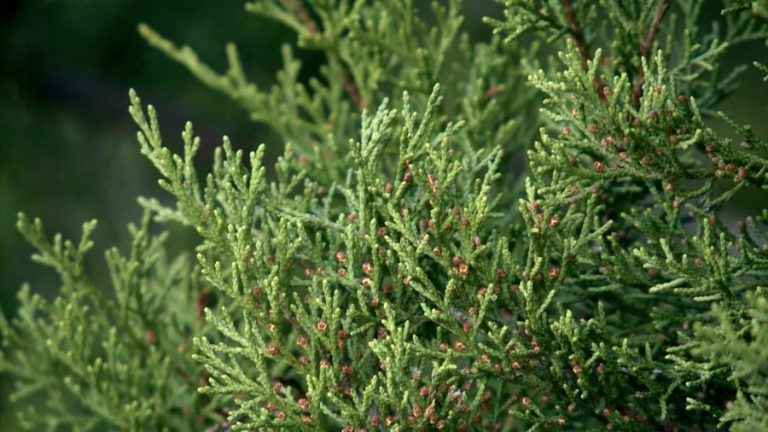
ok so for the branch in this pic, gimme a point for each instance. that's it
(645, 50)
(581, 44)
(314, 32)
(303, 16)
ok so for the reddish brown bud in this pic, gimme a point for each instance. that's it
(341, 257)
(742, 174)
(321, 326)
(486, 395)
(554, 221)
(553, 272)
(347, 370)
(432, 182)
(501, 274)
(462, 269)
(576, 368)
(598, 166)
(466, 327)
(417, 411)
(367, 268)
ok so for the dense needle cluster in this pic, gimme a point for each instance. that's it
(401, 269)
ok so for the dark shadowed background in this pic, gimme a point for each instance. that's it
(67, 146)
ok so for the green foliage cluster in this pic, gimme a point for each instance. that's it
(400, 269)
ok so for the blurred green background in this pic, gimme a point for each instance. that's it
(67, 147)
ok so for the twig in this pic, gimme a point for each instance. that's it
(353, 93)
(304, 16)
(314, 32)
(581, 44)
(645, 50)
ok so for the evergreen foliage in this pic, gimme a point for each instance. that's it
(400, 270)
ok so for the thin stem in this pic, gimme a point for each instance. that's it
(645, 50)
(303, 16)
(581, 44)
(314, 32)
